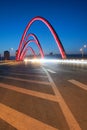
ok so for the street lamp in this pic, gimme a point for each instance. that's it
(81, 49)
(85, 46)
(11, 49)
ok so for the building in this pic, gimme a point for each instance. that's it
(6, 55)
(0, 56)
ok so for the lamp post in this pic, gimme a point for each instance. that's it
(81, 50)
(85, 46)
(11, 49)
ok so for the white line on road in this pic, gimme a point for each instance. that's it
(26, 80)
(21, 121)
(29, 92)
(33, 75)
(24, 71)
(29, 71)
(3, 63)
(51, 71)
(79, 84)
(73, 124)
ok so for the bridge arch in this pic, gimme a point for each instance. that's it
(29, 35)
(25, 51)
(37, 43)
(58, 42)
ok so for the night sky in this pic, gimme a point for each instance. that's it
(68, 18)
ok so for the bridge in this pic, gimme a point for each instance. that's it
(40, 94)
(25, 42)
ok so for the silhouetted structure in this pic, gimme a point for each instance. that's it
(6, 55)
(0, 56)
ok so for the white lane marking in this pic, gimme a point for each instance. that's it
(33, 75)
(32, 71)
(73, 124)
(3, 63)
(29, 92)
(26, 80)
(24, 71)
(79, 84)
(9, 63)
(21, 121)
(51, 71)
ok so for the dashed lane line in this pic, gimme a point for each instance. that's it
(51, 71)
(29, 92)
(33, 75)
(24, 71)
(72, 123)
(79, 84)
(26, 80)
(21, 121)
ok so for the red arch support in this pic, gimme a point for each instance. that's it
(37, 43)
(59, 44)
(29, 35)
(25, 51)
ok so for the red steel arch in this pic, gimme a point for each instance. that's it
(29, 35)
(59, 44)
(25, 51)
(37, 43)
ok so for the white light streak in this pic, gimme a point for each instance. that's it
(68, 61)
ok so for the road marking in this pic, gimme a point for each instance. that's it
(33, 75)
(8, 62)
(3, 63)
(26, 80)
(29, 92)
(51, 71)
(24, 72)
(79, 84)
(21, 121)
(73, 124)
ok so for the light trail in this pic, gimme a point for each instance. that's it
(66, 61)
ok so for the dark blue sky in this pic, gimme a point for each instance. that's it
(68, 17)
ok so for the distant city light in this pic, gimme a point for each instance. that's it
(85, 46)
(81, 49)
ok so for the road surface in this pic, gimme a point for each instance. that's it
(43, 97)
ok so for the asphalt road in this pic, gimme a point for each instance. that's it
(43, 97)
